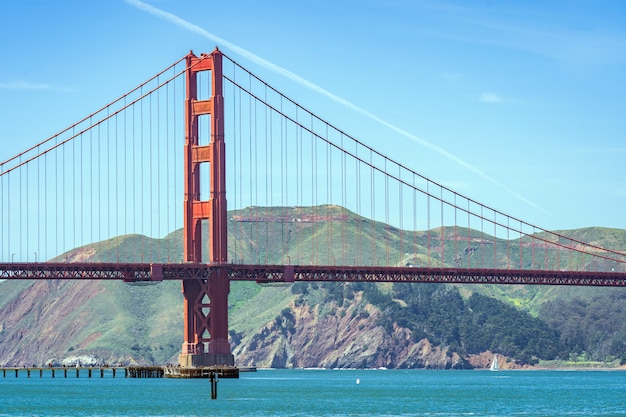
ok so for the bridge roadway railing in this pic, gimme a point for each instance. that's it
(262, 274)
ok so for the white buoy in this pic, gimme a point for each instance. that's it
(358, 381)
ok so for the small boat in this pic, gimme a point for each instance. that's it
(494, 364)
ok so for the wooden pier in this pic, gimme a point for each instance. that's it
(126, 371)
(145, 371)
(65, 372)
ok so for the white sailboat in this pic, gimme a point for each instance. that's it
(494, 363)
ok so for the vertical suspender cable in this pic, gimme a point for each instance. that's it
(80, 176)
(469, 237)
(63, 198)
(508, 245)
(343, 204)
(174, 156)
(557, 265)
(9, 217)
(428, 224)
(118, 209)
(151, 173)
(456, 233)
(254, 174)
(374, 239)
(267, 168)
(442, 230)
(109, 169)
(126, 164)
(44, 247)
(313, 194)
(298, 225)
(359, 238)
(545, 256)
(495, 240)
(25, 193)
(283, 180)
(329, 191)
(168, 195)
(93, 173)
(570, 258)
(271, 159)
(134, 171)
(532, 248)
(239, 172)
(157, 163)
(158, 171)
(482, 237)
(3, 212)
(414, 245)
(142, 173)
(38, 183)
(401, 213)
(521, 264)
(156, 222)
(56, 203)
(234, 146)
(99, 185)
(250, 168)
(77, 182)
(386, 231)
(300, 159)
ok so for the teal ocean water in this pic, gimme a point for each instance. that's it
(326, 393)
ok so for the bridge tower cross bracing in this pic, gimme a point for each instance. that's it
(205, 300)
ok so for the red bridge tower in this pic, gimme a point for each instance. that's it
(206, 300)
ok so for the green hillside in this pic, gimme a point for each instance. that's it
(122, 322)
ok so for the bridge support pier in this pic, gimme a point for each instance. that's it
(205, 359)
(206, 321)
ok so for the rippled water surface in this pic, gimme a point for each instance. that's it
(325, 393)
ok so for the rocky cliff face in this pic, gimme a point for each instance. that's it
(331, 336)
(57, 320)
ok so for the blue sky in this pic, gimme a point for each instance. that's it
(520, 105)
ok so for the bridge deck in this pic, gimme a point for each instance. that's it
(150, 273)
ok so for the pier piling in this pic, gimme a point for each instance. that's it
(210, 372)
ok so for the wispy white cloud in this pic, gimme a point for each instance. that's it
(23, 85)
(490, 98)
(314, 87)
(540, 35)
(29, 86)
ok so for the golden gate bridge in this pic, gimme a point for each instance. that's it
(308, 202)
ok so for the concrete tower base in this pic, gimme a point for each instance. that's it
(205, 359)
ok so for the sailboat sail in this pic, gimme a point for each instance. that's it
(494, 363)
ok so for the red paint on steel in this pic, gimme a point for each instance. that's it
(205, 300)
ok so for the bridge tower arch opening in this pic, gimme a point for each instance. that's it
(206, 299)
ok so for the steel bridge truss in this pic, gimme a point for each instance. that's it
(267, 274)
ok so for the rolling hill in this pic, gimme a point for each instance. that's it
(315, 324)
